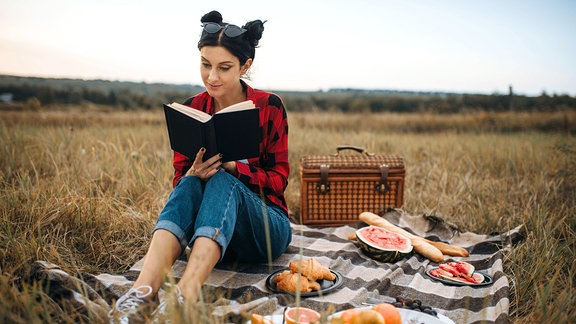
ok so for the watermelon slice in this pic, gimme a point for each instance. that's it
(460, 271)
(455, 279)
(383, 245)
(440, 272)
(449, 268)
(465, 268)
(478, 278)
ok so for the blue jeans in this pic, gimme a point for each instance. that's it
(225, 210)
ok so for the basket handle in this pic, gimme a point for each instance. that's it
(358, 149)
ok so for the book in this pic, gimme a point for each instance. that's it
(233, 131)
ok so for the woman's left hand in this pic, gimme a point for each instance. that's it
(204, 170)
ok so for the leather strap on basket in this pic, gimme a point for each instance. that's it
(323, 186)
(358, 149)
(382, 187)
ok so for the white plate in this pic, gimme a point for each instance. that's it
(408, 317)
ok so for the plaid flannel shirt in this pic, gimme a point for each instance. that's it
(267, 174)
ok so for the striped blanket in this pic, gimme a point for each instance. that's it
(235, 291)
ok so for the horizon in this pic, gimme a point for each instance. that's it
(283, 90)
(421, 46)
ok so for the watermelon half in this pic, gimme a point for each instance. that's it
(383, 245)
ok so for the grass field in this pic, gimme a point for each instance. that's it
(82, 189)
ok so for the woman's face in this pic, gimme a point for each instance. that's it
(220, 70)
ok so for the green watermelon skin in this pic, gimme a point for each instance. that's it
(387, 255)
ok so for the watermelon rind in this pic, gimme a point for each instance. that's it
(381, 254)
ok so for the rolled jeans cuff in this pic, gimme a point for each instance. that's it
(175, 230)
(215, 234)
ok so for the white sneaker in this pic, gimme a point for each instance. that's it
(171, 304)
(129, 305)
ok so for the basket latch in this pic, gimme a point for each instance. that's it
(382, 187)
(323, 186)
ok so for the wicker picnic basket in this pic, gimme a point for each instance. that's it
(335, 189)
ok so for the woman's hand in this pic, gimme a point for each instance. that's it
(204, 170)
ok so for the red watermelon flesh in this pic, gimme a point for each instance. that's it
(385, 239)
(458, 279)
(440, 272)
(477, 278)
(458, 271)
(449, 268)
(465, 268)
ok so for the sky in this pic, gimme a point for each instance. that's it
(415, 45)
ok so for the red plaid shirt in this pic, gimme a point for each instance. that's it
(267, 174)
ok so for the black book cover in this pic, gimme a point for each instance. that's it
(236, 134)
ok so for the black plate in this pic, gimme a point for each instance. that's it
(327, 286)
(487, 280)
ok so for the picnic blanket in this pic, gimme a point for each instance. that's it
(234, 291)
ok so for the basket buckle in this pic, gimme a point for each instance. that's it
(382, 187)
(324, 185)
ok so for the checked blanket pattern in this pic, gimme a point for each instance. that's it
(234, 291)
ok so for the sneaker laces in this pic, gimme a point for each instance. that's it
(128, 303)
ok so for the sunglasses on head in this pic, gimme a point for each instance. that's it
(229, 30)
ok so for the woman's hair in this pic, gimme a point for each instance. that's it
(243, 46)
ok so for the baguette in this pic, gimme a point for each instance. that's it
(449, 249)
(420, 245)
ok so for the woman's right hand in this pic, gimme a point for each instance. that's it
(204, 170)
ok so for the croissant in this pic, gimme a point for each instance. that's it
(288, 281)
(312, 269)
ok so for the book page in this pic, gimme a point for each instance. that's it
(248, 104)
(191, 112)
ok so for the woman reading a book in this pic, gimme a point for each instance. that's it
(224, 211)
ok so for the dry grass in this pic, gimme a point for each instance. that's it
(82, 190)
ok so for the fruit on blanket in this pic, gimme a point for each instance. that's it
(414, 304)
(460, 271)
(259, 319)
(464, 267)
(445, 248)
(420, 244)
(358, 316)
(389, 312)
(383, 245)
(348, 315)
(368, 316)
(301, 315)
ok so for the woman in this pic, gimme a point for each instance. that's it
(233, 210)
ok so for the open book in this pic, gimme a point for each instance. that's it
(233, 131)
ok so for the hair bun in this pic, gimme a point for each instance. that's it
(213, 16)
(255, 29)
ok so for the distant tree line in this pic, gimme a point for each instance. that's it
(123, 95)
(121, 98)
(451, 103)
(132, 95)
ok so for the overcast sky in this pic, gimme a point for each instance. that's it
(444, 45)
